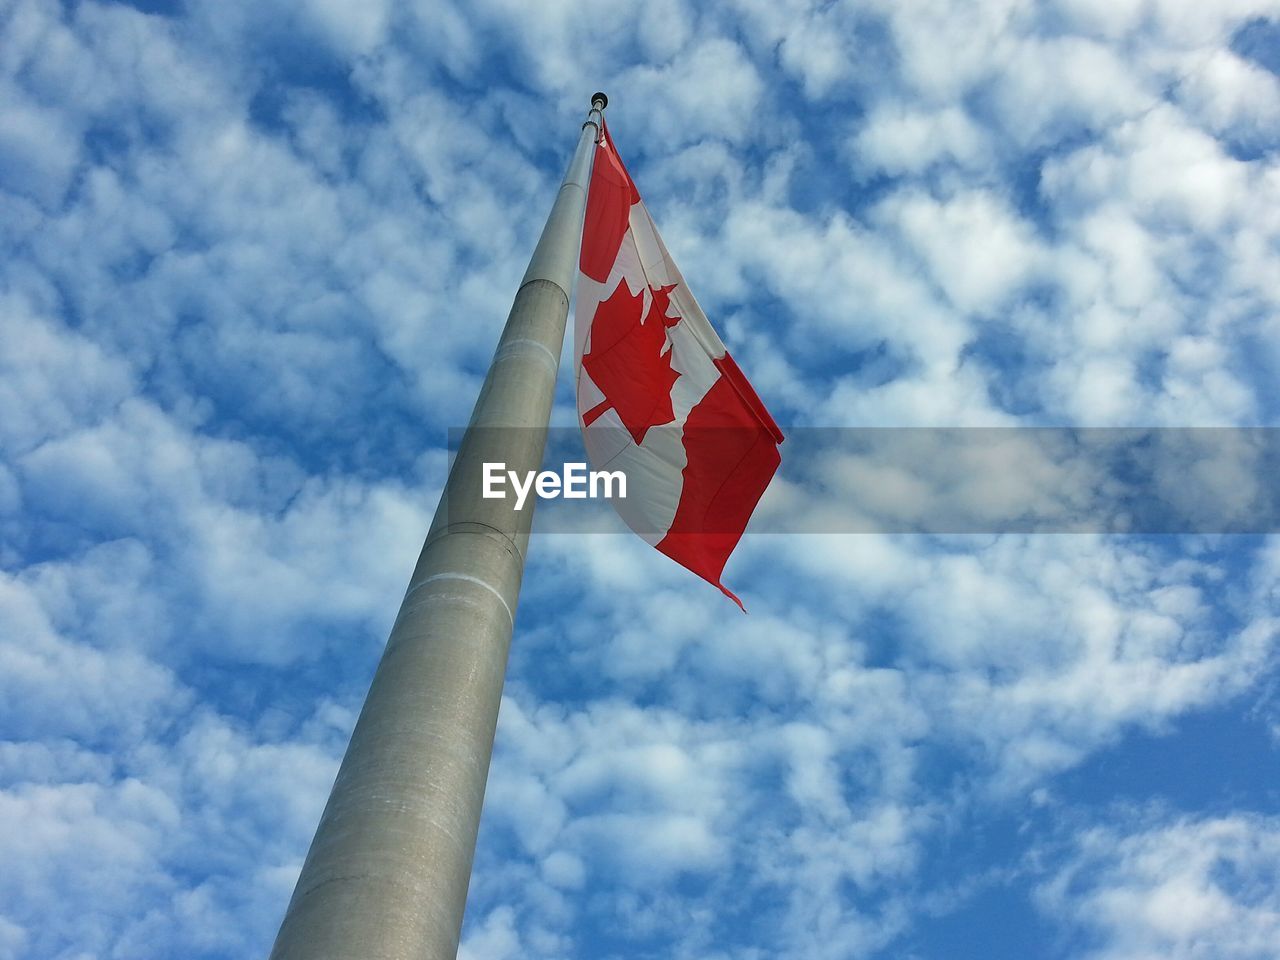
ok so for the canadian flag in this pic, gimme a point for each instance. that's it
(658, 395)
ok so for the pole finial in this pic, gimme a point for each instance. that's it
(604, 101)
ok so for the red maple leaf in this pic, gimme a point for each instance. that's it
(630, 359)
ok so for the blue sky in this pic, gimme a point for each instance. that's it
(255, 259)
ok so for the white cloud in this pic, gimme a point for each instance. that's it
(248, 537)
(818, 44)
(1026, 655)
(13, 939)
(976, 247)
(52, 379)
(1193, 24)
(351, 28)
(39, 150)
(564, 870)
(651, 796)
(1067, 82)
(1234, 97)
(1109, 18)
(829, 46)
(1038, 651)
(898, 140)
(54, 687)
(1167, 169)
(496, 939)
(73, 844)
(570, 47)
(711, 90)
(977, 39)
(1157, 211)
(1193, 888)
(846, 285)
(104, 862)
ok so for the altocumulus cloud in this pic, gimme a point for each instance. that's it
(255, 257)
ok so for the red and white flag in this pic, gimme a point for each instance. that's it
(659, 397)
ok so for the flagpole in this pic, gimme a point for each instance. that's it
(387, 873)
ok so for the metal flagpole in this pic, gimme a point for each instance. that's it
(387, 873)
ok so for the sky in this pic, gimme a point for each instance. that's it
(254, 259)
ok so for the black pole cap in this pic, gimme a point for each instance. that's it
(604, 101)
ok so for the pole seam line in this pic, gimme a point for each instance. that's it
(450, 529)
(469, 579)
(550, 281)
(555, 361)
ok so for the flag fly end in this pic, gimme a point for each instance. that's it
(732, 596)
